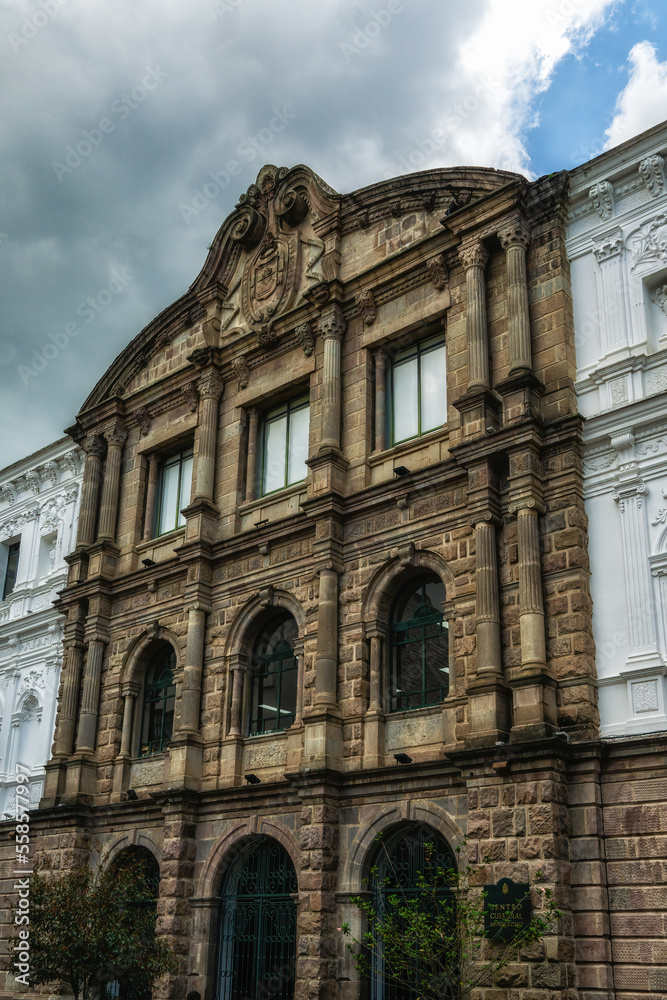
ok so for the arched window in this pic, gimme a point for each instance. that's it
(274, 677)
(157, 720)
(257, 946)
(419, 646)
(141, 861)
(410, 852)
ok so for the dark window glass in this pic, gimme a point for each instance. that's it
(138, 859)
(274, 678)
(285, 445)
(397, 864)
(257, 943)
(174, 486)
(417, 390)
(157, 722)
(11, 568)
(419, 646)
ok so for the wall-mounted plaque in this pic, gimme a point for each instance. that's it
(507, 909)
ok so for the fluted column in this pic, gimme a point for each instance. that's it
(380, 398)
(192, 672)
(90, 699)
(474, 258)
(631, 499)
(251, 465)
(487, 602)
(531, 600)
(299, 655)
(210, 387)
(375, 669)
(151, 487)
(331, 327)
(69, 704)
(114, 436)
(514, 240)
(326, 657)
(237, 671)
(130, 690)
(93, 446)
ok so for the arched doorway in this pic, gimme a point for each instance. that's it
(140, 861)
(257, 945)
(410, 851)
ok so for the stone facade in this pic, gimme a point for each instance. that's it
(39, 503)
(617, 246)
(307, 294)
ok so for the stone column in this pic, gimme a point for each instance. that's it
(90, 699)
(192, 672)
(130, 690)
(614, 323)
(237, 671)
(251, 465)
(151, 487)
(474, 258)
(69, 704)
(487, 603)
(331, 327)
(326, 657)
(514, 239)
(210, 387)
(380, 398)
(94, 449)
(630, 497)
(115, 436)
(531, 600)
(375, 671)
(299, 655)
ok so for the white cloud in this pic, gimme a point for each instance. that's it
(643, 102)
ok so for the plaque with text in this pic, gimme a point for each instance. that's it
(507, 909)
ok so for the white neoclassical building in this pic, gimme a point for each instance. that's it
(617, 245)
(39, 503)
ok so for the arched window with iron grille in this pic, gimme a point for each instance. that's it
(274, 677)
(157, 719)
(142, 861)
(410, 851)
(257, 944)
(419, 647)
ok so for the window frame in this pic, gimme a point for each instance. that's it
(404, 626)
(290, 406)
(180, 456)
(418, 351)
(167, 661)
(262, 659)
(13, 549)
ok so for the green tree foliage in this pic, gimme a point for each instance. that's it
(91, 927)
(429, 942)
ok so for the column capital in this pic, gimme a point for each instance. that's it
(608, 245)
(484, 517)
(198, 606)
(473, 254)
(529, 504)
(93, 445)
(380, 357)
(210, 385)
(635, 490)
(331, 324)
(115, 433)
(130, 689)
(514, 234)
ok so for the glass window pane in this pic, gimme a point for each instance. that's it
(275, 438)
(433, 389)
(405, 401)
(186, 486)
(168, 499)
(298, 445)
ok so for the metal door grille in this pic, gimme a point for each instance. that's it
(257, 948)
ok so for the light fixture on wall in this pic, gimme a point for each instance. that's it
(402, 758)
(252, 779)
(148, 562)
(132, 795)
(400, 471)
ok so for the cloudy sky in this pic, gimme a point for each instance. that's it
(117, 115)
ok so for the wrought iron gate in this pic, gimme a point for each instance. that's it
(257, 948)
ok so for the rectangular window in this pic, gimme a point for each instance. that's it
(285, 445)
(11, 567)
(417, 391)
(173, 492)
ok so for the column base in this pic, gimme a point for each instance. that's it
(201, 520)
(522, 396)
(80, 781)
(231, 762)
(535, 710)
(480, 411)
(121, 778)
(328, 466)
(489, 708)
(374, 744)
(185, 762)
(103, 559)
(323, 740)
(54, 782)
